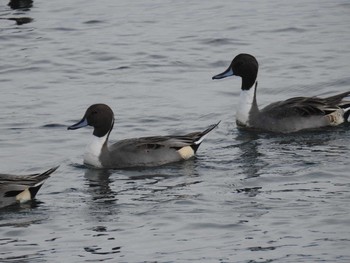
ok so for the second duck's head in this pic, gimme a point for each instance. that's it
(99, 116)
(244, 66)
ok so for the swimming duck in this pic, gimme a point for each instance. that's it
(291, 115)
(135, 152)
(21, 188)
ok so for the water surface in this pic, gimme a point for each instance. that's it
(247, 197)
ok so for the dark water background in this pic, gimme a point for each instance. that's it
(246, 198)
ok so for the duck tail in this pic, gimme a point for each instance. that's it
(37, 180)
(46, 174)
(338, 99)
(34, 190)
(41, 178)
(346, 109)
(201, 135)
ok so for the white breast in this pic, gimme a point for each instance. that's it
(93, 151)
(245, 104)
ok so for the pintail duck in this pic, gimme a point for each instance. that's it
(135, 152)
(21, 188)
(291, 115)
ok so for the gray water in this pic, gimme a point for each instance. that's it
(247, 197)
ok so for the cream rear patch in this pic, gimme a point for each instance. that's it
(186, 152)
(335, 118)
(24, 196)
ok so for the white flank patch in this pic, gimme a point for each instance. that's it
(93, 151)
(186, 152)
(246, 98)
(24, 196)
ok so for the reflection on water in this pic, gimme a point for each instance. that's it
(262, 154)
(259, 151)
(16, 214)
(98, 185)
(102, 200)
(24, 5)
(146, 181)
(249, 160)
(20, 20)
(21, 6)
(113, 195)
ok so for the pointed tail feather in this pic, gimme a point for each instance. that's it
(39, 178)
(33, 190)
(33, 181)
(337, 99)
(47, 173)
(197, 142)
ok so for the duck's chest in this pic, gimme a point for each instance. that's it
(93, 152)
(245, 105)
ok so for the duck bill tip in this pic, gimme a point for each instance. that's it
(217, 77)
(226, 73)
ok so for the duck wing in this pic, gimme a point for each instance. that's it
(25, 180)
(307, 106)
(176, 142)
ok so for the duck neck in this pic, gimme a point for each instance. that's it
(96, 148)
(247, 105)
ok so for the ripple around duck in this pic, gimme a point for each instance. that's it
(288, 29)
(222, 42)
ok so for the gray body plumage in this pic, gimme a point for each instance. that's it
(146, 151)
(301, 113)
(135, 152)
(291, 115)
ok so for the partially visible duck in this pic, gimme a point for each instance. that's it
(291, 115)
(21, 188)
(135, 152)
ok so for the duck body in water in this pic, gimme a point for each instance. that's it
(291, 115)
(135, 152)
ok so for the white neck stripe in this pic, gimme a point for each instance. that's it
(246, 99)
(93, 151)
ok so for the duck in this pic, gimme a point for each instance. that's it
(291, 115)
(134, 152)
(21, 188)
